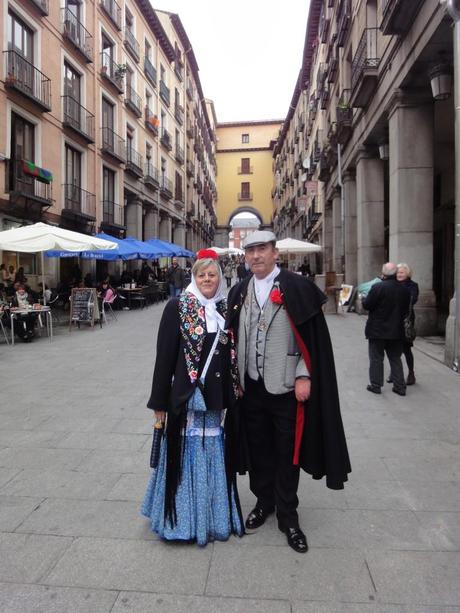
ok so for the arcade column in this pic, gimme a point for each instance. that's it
(349, 196)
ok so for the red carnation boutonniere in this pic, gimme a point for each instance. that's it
(276, 296)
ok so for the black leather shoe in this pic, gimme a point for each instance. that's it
(257, 518)
(374, 390)
(390, 379)
(399, 392)
(296, 538)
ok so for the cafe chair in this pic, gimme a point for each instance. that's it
(3, 329)
(109, 299)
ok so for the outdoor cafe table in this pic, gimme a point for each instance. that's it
(132, 291)
(44, 309)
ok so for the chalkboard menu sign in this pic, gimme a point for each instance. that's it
(83, 306)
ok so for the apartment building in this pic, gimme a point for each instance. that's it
(365, 159)
(244, 182)
(95, 98)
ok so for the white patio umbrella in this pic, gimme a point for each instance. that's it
(292, 245)
(41, 237)
(227, 250)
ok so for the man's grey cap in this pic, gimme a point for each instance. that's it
(260, 237)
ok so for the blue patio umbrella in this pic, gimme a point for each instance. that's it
(145, 250)
(174, 250)
(124, 251)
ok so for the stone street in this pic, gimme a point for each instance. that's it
(74, 447)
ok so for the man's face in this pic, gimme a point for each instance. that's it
(261, 259)
(174, 262)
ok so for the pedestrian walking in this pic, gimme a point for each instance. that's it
(192, 494)
(228, 272)
(286, 368)
(388, 305)
(404, 276)
(242, 270)
(176, 278)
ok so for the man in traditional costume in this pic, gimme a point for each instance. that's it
(289, 403)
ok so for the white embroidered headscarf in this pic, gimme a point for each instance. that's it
(213, 318)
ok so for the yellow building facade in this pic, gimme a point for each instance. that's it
(245, 172)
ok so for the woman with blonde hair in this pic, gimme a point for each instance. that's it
(192, 495)
(404, 276)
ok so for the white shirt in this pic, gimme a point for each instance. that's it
(262, 287)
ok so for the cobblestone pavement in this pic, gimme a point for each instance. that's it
(74, 446)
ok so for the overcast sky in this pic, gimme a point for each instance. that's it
(249, 52)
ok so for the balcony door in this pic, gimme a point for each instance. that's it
(22, 148)
(21, 56)
(107, 123)
(72, 92)
(72, 179)
(108, 195)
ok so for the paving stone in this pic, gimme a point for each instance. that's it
(60, 484)
(135, 426)
(25, 438)
(443, 529)
(428, 495)
(165, 603)
(275, 572)
(129, 487)
(113, 519)
(416, 578)
(104, 440)
(136, 565)
(408, 469)
(6, 474)
(24, 422)
(331, 607)
(44, 599)
(114, 461)
(79, 423)
(13, 511)
(25, 558)
(369, 469)
(41, 458)
(379, 495)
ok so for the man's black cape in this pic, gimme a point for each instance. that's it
(323, 450)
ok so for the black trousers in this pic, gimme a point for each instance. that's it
(270, 422)
(377, 349)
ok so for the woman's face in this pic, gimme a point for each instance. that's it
(207, 280)
(401, 274)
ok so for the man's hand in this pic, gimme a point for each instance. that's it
(160, 415)
(302, 389)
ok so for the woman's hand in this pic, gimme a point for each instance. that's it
(160, 415)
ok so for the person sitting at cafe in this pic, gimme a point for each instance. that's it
(24, 324)
(125, 277)
(20, 276)
(88, 280)
(44, 294)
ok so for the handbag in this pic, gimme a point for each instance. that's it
(196, 402)
(158, 430)
(409, 325)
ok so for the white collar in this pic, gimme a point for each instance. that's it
(214, 319)
(263, 286)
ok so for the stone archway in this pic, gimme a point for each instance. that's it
(222, 231)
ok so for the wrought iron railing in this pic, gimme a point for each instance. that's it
(42, 5)
(190, 167)
(151, 120)
(179, 113)
(77, 117)
(164, 93)
(25, 78)
(112, 71)
(343, 21)
(113, 10)
(26, 185)
(151, 174)
(113, 144)
(79, 201)
(166, 186)
(166, 138)
(366, 55)
(134, 160)
(77, 34)
(179, 154)
(179, 194)
(344, 111)
(112, 213)
(189, 88)
(133, 100)
(131, 44)
(245, 196)
(150, 71)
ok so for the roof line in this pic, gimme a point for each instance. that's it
(255, 122)
(152, 18)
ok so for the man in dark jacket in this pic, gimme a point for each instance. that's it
(388, 305)
(176, 278)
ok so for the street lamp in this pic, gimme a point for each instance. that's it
(384, 151)
(441, 80)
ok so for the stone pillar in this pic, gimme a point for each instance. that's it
(179, 234)
(337, 236)
(411, 199)
(369, 216)
(134, 219)
(351, 261)
(221, 236)
(165, 230)
(151, 223)
(327, 238)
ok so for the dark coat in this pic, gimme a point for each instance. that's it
(388, 305)
(412, 286)
(323, 450)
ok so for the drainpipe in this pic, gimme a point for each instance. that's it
(342, 204)
(453, 8)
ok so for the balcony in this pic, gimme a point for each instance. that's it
(245, 170)
(323, 27)
(151, 175)
(165, 139)
(189, 129)
(150, 71)
(344, 116)
(113, 10)
(324, 172)
(191, 210)
(179, 197)
(131, 44)
(179, 114)
(112, 72)
(179, 154)
(28, 183)
(190, 168)
(301, 122)
(133, 101)
(398, 15)
(112, 217)
(166, 188)
(23, 77)
(42, 5)
(244, 196)
(77, 34)
(164, 93)
(134, 162)
(324, 97)
(113, 145)
(179, 70)
(78, 203)
(189, 88)
(77, 118)
(199, 185)
(364, 69)
(343, 22)
(152, 122)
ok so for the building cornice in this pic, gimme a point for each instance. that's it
(236, 124)
(155, 24)
(244, 150)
